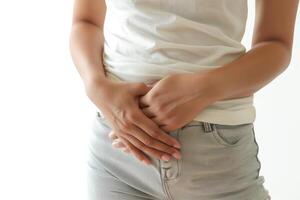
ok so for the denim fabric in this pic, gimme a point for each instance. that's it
(219, 162)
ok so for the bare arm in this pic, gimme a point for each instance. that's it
(117, 101)
(175, 100)
(86, 39)
(269, 56)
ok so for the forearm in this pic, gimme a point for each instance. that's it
(252, 71)
(86, 46)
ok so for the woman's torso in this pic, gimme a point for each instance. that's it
(146, 40)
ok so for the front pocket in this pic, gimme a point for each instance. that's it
(231, 135)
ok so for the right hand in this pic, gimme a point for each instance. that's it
(119, 103)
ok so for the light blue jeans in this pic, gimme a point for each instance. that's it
(218, 162)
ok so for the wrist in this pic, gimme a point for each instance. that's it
(225, 85)
(95, 82)
(215, 85)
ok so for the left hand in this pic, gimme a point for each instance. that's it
(175, 100)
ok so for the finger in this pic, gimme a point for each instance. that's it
(157, 121)
(123, 146)
(147, 111)
(118, 144)
(143, 101)
(151, 128)
(163, 127)
(136, 152)
(112, 135)
(150, 114)
(142, 104)
(126, 150)
(148, 150)
(152, 142)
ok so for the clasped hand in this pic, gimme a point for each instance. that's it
(166, 105)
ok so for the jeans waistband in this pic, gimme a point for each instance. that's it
(207, 126)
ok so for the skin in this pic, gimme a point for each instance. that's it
(142, 115)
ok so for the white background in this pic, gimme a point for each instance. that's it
(45, 116)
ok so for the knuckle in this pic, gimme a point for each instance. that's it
(152, 97)
(155, 133)
(160, 108)
(149, 142)
(142, 147)
(138, 145)
(132, 116)
(126, 126)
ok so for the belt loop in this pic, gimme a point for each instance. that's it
(207, 126)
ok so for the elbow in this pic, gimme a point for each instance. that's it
(286, 50)
(282, 48)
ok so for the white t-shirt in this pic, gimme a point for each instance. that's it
(145, 40)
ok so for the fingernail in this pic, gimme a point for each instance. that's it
(176, 155)
(116, 144)
(166, 157)
(177, 145)
(145, 162)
